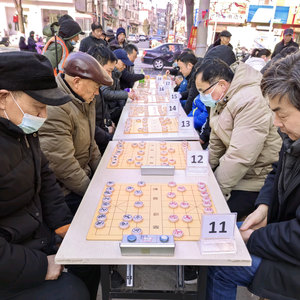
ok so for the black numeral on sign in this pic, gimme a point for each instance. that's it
(213, 226)
(185, 124)
(194, 159)
(171, 108)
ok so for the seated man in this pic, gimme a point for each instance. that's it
(128, 77)
(113, 95)
(33, 214)
(186, 62)
(272, 231)
(243, 140)
(104, 127)
(67, 136)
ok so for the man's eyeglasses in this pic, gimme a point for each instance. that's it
(208, 88)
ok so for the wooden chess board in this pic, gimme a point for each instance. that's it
(147, 111)
(152, 125)
(150, 154)
(155, 211)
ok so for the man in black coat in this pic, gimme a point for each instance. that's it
(34, 217)
(128, 77)
(272, 231)
(93, 39)
(186, 62)
(225, 37)
(287, 41)
(120, 41)
(114, 97)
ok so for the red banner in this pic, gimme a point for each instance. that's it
(193, 38)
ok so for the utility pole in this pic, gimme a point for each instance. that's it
(201, 41)
(168, 21)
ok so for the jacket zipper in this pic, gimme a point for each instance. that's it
(26, 141)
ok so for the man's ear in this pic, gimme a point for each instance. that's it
(3, 96)
(76, 82)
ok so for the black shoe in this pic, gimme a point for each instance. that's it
(190, 275)
(116, 279)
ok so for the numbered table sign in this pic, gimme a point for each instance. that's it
(217, 235)
(168, 84)
(172, 109)
(161, 90)
(174, 97)
(159, 79)
(197, 162)
(186, 124)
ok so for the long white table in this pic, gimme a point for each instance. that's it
(167, 136)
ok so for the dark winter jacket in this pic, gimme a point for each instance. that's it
(31, 44)
(218, 43)
(22, 44)
(281, 46)
(278, 243)
(113, 95)
(89, 41)
(102, 137)
(128, 77)
(191, 91)
(114, 44)
(32, 207)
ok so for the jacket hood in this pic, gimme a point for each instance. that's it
(47, 29)
(244, 76)
(255, 62)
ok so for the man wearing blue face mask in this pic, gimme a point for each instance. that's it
(243, 141)
(34, 217)
(67, 38)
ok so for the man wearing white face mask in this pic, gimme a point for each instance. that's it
(34, 217)
(243, 141)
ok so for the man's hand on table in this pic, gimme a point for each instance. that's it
(131, 95)
(254, 221)
(168, 72)
(53, 271)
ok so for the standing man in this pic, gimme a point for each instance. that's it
(224, 39)
(128, 77)
(68, 36)
(110, 36)
(93, 39)
(34, 217)
(119, 41)
(287, 41)
(67, 136)
(31, 42)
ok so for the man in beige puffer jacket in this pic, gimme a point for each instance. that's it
(67, 136)
(243, 141)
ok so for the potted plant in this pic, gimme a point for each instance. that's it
(10, 28)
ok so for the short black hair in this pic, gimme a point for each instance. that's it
(102, 54)
(288, 50)
(130, 47)
(96, 25)
(213, 70)
(260, 52)
(187, 57)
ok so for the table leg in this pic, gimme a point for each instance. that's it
(201, 282)
(179, 276)
(105, 281)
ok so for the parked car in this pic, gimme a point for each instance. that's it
(155, 40)
(142, 37)
(133, 38)
(162, 55)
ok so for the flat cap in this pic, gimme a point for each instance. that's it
(225, 33)
(86, 67)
